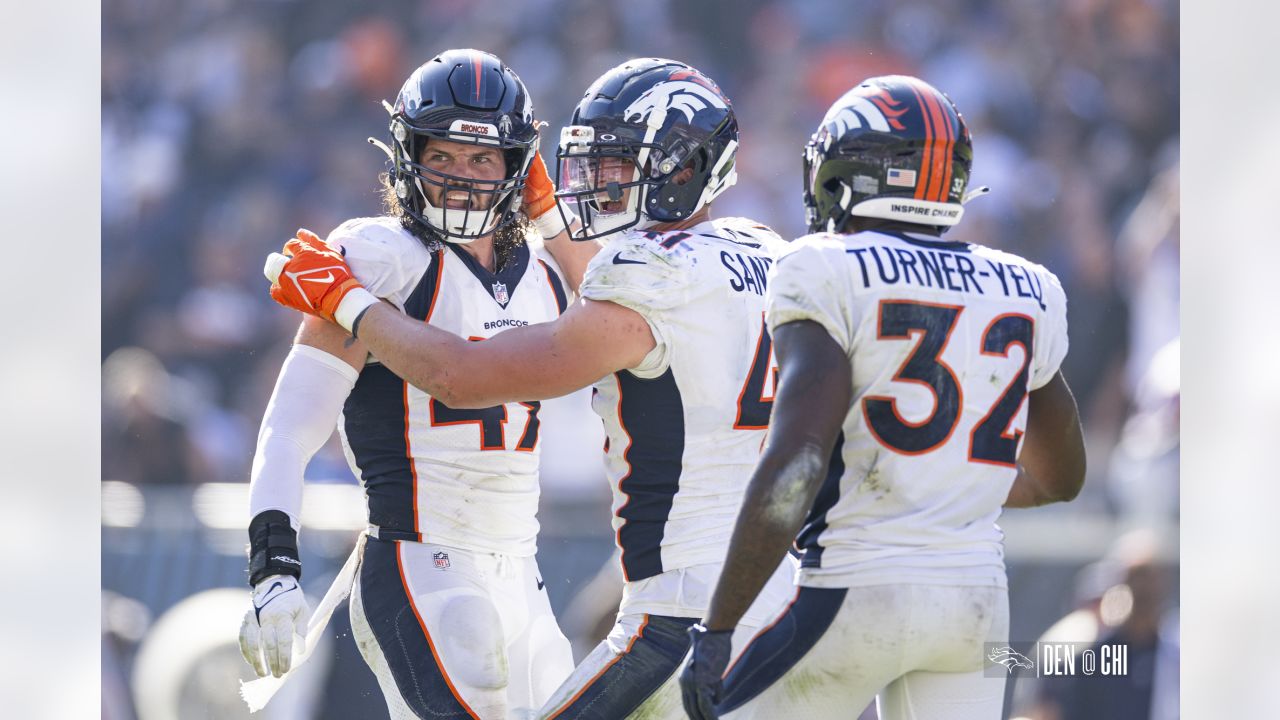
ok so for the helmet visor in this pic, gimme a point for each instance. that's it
(603, 186)
(603, 182)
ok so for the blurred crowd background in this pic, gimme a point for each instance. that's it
(227, 124)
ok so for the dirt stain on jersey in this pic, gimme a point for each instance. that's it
(873, 480)
(802, 685)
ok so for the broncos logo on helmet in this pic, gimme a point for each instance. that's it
(686, 91)
(878, 111)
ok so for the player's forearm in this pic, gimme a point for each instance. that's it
(778, 496)
(299, 418)
(1033, 489)
(315, 380)
(1051, 465)
(814, 392)
(1026, 492)
(426, 357)
(572, 256)
(513, 366)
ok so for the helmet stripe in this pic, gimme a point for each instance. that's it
(939, 135)
(939, 140)
(475, 63)
(926, 155)
(944, 189)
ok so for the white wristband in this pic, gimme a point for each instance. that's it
(550, 223)
(352, 306)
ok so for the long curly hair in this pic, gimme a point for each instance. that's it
(505, 239)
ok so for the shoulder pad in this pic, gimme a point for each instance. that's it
(816, 241)
(380, 253)
(642, 271)
(667, 249)
(748, 227)
(371, 232)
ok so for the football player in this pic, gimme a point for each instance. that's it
(447, 607)
(919, 393)
(669, 331)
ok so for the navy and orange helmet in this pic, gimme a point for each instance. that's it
(894, 148)
(634, 133)
(465, 96)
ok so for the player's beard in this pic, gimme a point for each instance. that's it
(509, 237)
(505, 239)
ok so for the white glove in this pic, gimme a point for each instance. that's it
(266, 635)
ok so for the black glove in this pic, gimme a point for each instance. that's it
(700, 680)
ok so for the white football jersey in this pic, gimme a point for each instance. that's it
(944, 341)
(465, 478)
(684, 428)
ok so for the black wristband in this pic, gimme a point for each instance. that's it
(356, 323)
(273, 547)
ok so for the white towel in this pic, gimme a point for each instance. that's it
(258, 693)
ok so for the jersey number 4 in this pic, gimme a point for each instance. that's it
(755, 402)
(990, 442)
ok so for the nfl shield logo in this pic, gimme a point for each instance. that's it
(442, 560)
(500, 293)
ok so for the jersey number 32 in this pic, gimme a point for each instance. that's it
(990, 441)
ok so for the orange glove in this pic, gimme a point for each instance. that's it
(314, 278)
(539, 191)
(540, 201)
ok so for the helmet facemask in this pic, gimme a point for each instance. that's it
(488, 205)
(614, 184)
(603, 182)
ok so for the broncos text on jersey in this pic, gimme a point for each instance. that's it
(458, 477)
